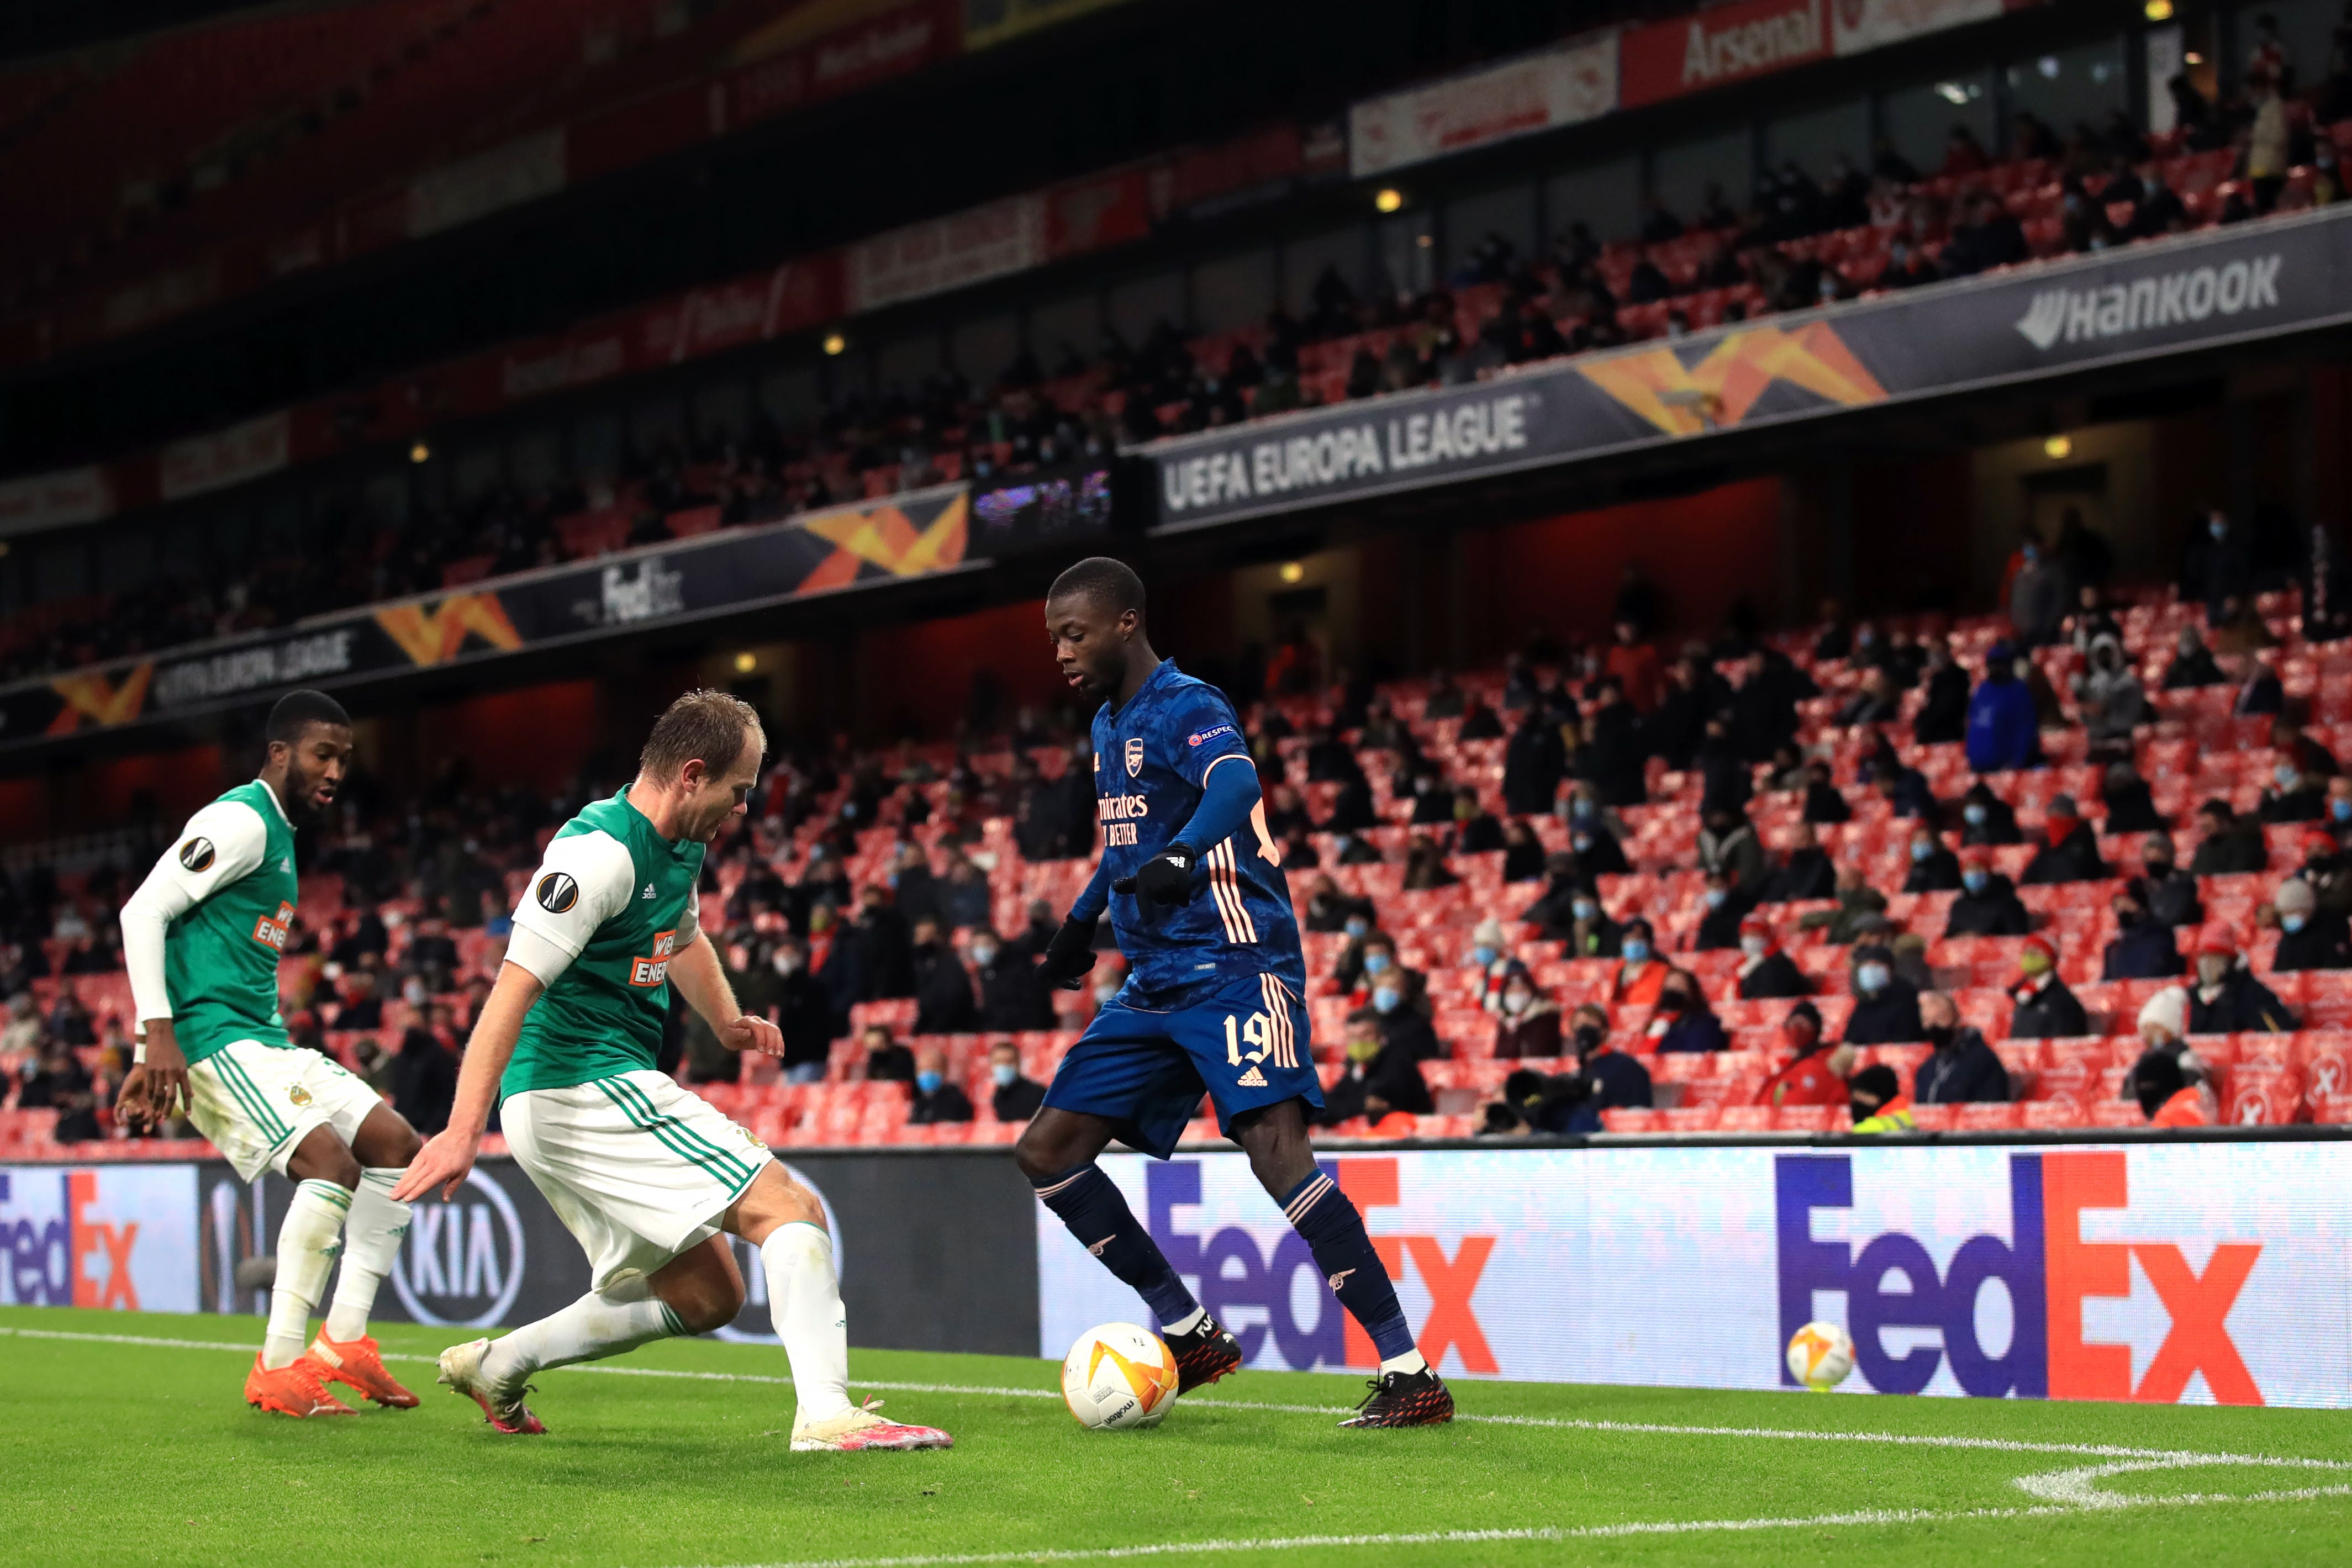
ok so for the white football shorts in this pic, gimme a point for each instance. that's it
(638, 1169)
(256, 1103)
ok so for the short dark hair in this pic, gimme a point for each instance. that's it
(1110, 583)
(1877, 1079)
(298, 711)
(702, 725)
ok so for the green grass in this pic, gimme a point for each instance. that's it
(119, 1453)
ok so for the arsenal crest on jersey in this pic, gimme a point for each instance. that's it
(1134, 758)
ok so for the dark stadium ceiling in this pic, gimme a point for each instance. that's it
(42, 26)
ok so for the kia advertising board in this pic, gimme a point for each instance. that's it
(2196, 1272)
(98, 1236)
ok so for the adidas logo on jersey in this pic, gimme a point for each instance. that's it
(648, 891)
(286, 862)
(1252, 1079)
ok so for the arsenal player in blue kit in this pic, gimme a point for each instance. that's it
(1213, 1001)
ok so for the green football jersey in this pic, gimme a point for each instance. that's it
(620, 897)
(220, 959)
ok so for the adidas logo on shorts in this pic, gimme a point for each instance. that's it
(1252, 1079)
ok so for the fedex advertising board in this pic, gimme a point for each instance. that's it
(2210, 1272)
(98, 1236)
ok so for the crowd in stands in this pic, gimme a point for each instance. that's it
(1801, 238)
(1918, 869)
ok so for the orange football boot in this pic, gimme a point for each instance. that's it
(358, 1364)
(293, 1389)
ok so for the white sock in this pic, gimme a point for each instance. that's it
(1186, 1324)
(1409, 1361)
(307, 1242)
(589, 1329)
(371, 1247)
(804, 1300)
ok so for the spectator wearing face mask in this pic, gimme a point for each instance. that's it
(1810, 1075)
(2310, 937)
(1804, 872)
(2328, 871)
(1014, 1097)
(2164, 1095)
(1590, 931)
(1723, 906)
(2069, 850)
(2231, 845)
(1765, 972)
(1933, 868)
(1683, 1022)
(1329, 910)
(2227, 998)
(1986, 819)
(1886, 1007)
(1528, 1022)
(2339, 820)
(1381, 1075)
(2143, 948)
(1642, 975)
(1489, 962)
(2294, 796)
(803, 1012)
(1394, 995)
(2193, 664)
(2043, 1005)
(1964, 1069)
(1351, 848)
(936, 1100)
(1876, 1102)
(2004, 726)
(1012, 995)
(1857, 903)
(2113, 704)
(1359, 929)
(886, 1061)
(1824, 801)
(1597, 850)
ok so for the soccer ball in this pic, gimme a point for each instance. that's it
(1821, 1355)
(1119, 1375)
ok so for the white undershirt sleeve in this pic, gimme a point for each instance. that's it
(581, 881)
(221, 844)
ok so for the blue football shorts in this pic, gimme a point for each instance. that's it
(1245, 1042)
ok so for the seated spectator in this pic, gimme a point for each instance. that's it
(1477, 831)
(2232, 845)
(2004, 726)
(1724, 907)
(2294, 796)
(1804, 872)
(2112, 705)
(2193, 664)
(1377, 966)
(1885, 1007)
(1986, 819)
(1479, 721)
(2291, 739)
(1875, 1103)
(52, 1080)
(1529, 1020)
(1597, 850)
(1401, 1013)
(2166, 1097)
(1642, 975)
(1874, 702)
(1381, 1076)
(1016, 1096)
(1810, 1075)
(1592, 931)
(1683, 1021)
(1943, 717)
(423, 1081)
(2227, 998)
(2143, 948)
(1523, 852)
(1933, 868)
(1824, 801)
(1765, 972)
(1489, 961)
(2165, 892)
(963, 901)
(2131, 808)
(1964, 1069)
(2327, 869)
(1904, 790)
(886, 1061)
(2339, 807)
(1424, 866)
(946, 1000)
(1329, 910)
(1988, 905)
(2261, 691)
(1857, 902)
(936, 1100)
(1727, 844)
(1012, 995)
(1534, 762)
(2043, 1007)
(1348, 848)
(2069, 850)
(2310, 937)
(1445, 699)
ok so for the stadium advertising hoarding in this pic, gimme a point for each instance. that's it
(868, 544)
(2196, 1271)
(1521, 97)
(115, 1236)
(2197, 291)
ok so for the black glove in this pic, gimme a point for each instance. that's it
(1166, 878)
(1070, 955)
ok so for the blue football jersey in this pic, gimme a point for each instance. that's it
(1151, 759)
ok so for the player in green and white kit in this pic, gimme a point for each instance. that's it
(643, 1174)
(201, 938)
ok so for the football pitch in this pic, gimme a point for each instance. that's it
(124, 1438)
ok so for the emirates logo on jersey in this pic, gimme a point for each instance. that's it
(197, 854)
(1134, 758)
(557, 892)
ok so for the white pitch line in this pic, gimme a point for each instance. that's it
(1549, 1533)
(1564, 1423)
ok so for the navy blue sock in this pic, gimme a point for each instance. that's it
(1090, 1204)
(1334, 1231)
